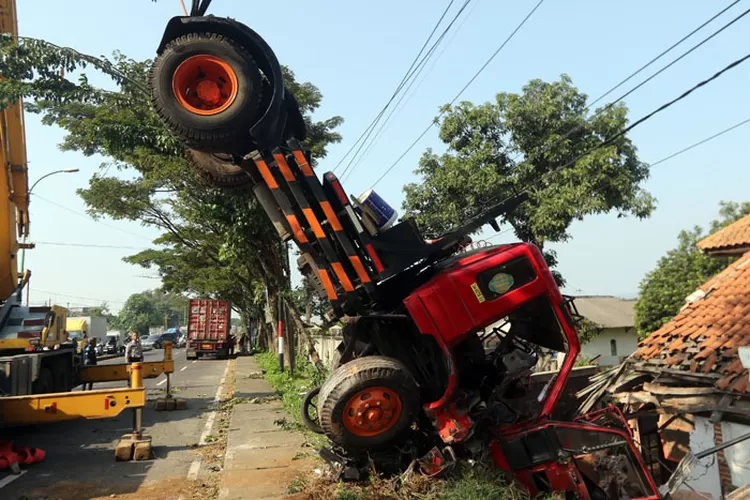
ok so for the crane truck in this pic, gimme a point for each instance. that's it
(441, 338)
(39, 365)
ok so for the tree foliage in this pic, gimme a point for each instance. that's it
(681, 271)
(213, 242)
(488, 159)
(152, 308)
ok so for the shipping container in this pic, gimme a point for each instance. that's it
(208, 328)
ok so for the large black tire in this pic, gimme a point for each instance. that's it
(226, 131)
(308, 403)
(343, 388)
(217, 169)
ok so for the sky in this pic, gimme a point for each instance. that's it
(357, 52)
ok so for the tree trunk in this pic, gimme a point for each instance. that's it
(304, 334)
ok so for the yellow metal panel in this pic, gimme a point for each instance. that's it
(59, 407)
(14, 202)
(112, 373)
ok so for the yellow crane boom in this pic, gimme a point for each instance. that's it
(14, 183)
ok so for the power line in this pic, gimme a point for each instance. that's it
(665, 52)
(580, 127)
(412, 76)
(36, 290)
(407, 94)
(471, 80)
(398, 87)
(90, 218)
(700, 143)
(87, 245)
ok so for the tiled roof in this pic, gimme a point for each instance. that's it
(735, 236)
(705, 336)
(607, 312)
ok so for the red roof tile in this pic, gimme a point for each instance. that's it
(734, 237)
(705, 336)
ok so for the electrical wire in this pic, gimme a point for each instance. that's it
(658, 110)
(471, 80)
(407, 95)
(580, 127)
(700, 143)
(400, 86)
(89, 217)
(77, 296)
(662, 54)
(87, 245)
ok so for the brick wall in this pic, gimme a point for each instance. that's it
(724, 473)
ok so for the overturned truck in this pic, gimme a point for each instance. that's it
(441, 336)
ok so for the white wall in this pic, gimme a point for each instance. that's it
(704, 477)
(326, 345)
(738, 456)
(627, 343)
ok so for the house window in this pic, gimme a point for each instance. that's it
(613, 347)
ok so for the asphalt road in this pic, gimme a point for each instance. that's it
(80, 454)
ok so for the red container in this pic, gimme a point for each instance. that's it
(208, 326)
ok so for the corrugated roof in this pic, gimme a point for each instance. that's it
(734, 237)
(607, 312)
(706, 335)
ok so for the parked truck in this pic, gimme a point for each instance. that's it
(208, 328)
(82, 327)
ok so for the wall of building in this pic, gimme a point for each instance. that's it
(626, 342)
(738, 456)
(704, 477)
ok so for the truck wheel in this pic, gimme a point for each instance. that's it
(310, 416)
(368, 403)
(207, 89)
(217, 170)
(45, 384)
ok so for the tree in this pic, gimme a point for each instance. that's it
(681, 271)
(515, 144)
(214, 242)
(150, 308)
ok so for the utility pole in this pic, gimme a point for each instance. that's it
(281, 333)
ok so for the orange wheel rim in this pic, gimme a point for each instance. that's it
(204, 84)
(372, 411)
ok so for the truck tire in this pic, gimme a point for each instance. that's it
(217, 170)
(207, 89)
(45, 384)
(368, 403)
(310, 403)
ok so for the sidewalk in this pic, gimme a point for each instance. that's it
(261, 458)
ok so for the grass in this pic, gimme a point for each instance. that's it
(292, 390)
(478, 482)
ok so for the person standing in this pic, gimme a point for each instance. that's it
(133, 349)
(89, 359)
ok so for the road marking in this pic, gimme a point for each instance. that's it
(212, 415)
(194, 362)
(195, 467)
(183, 368)
(162, 382)
(10, 478)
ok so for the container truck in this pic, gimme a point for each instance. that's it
(208, 328)
(87, 327)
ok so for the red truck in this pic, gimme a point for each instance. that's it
(208, 328)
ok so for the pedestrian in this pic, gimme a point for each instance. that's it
(89, 359)
(133, 349)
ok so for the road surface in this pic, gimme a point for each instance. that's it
(80, 454)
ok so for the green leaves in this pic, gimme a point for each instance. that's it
(680, 272)
(213, 242)
(490, 147)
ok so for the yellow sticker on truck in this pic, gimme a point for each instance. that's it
(477, 292)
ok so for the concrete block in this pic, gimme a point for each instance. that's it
(181, 404)
(269, 458)
(142, 450)
(124, 450)
(161, 404)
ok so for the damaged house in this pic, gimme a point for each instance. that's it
(686, 388)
